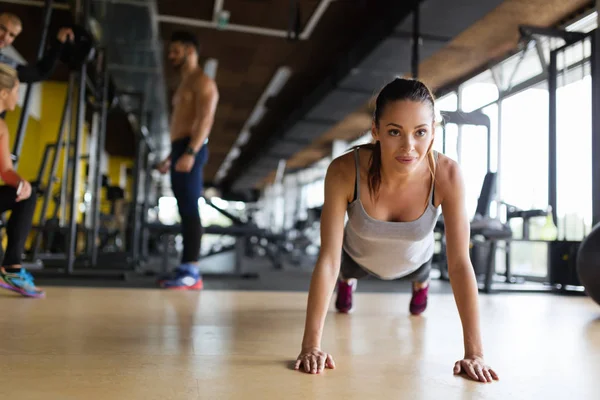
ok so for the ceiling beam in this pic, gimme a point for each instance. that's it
(36, 3)
(214, 24)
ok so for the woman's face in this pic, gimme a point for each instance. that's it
(13, 97)
(10, 97)
(405, 133)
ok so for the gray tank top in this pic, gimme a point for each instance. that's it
(389, 250)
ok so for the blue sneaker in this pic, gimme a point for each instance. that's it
(186, 277)
(20, 282)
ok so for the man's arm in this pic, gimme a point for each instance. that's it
(44, 68)
(206, 98)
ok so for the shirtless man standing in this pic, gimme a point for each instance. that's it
(194, 105)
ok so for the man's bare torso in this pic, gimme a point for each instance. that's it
(184, 105)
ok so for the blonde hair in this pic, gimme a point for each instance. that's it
(8, 77)
(12, 18)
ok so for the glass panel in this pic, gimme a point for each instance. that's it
(574, 156)
(290, 194)
(315, 194)
(451, 133)
(529, 258)
(438, 140)
(573, 56)
(523, 171)
(478, 92)
(492, 112)
(448, 102)
(549, 44)
(519, 68)
(473, 162)
(524, 150)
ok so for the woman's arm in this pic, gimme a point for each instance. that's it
(7, 172)
(460, 270)
(326, 270)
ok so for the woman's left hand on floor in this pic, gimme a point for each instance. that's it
(476, 369)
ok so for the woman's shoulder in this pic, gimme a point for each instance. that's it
(3, 127)
(346, 163)
(342, 167)
(447, 174)
(341, 175)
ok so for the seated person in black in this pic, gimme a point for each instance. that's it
(10, 28)
(17, 196)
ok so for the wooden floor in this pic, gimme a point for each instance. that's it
(89, 344)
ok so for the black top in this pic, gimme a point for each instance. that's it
(39, 71)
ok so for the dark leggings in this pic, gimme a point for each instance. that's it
(187, 188)
(18, 225)
(350, 269)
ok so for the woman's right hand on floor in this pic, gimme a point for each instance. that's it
(25, 191)
(314, 361)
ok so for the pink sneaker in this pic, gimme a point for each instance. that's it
(343, 302)
(418, 302)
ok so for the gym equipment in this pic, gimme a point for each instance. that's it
(588, 264)
(302, 241)
(485, 231)
(101, 71)
(241, 234)
(60, 142)
(112, 226)
(562, 264)
(485, 234)
(245, 234)
(514, 212)
(64, 235)
(24, 117)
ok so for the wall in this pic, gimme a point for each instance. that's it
(35, 100)
(41, 132)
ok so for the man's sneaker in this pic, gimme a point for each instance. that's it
(418, 302)
(186, 277)
(20, 282)
(343, 302)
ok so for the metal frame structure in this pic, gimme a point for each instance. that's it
(552, 137)
(570, 38)
(595, 38)
(416, 40)
(20, 136)
(551, 73)
(70, 138)
(475, 118)
(96, 191)
(60, 144)
(81, 103)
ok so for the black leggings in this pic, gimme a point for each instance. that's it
(18, 225)
(350, 269)
(187, 188)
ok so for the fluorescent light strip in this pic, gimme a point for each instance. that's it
(218, 7)
(583, 23)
